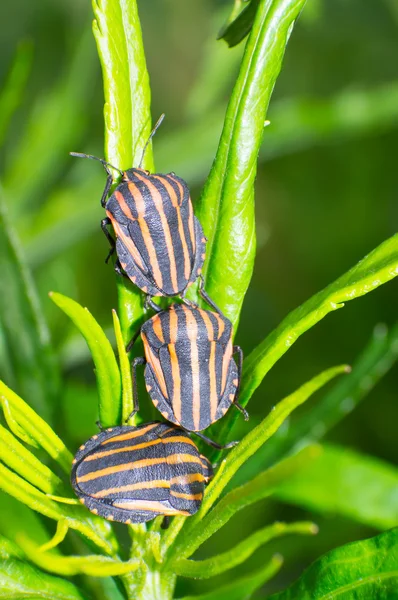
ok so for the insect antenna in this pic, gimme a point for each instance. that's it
(154, 130)
(105, 164)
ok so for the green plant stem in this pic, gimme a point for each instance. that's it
(117, 31)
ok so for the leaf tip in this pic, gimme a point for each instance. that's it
(347, 369)
(277, 559)
(314, 529)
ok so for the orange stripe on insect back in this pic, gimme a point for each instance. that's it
(151, 506)
(153, 360)
(175, 203)
(187, 496)
(157, 328)
(158, 201)
(225, 365)
(208, 324)
(123, 205)
(192, 330)
(142, 485)
(185, 479)
(221, 325)
(137, 464)
(175, 373)
(128, 242)
(131, 435)
(170, 440)
(213, 382)
(140, 204)
(178, 459)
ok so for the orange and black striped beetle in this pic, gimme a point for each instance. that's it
(134, 474)
(190, 372)
(159, 243)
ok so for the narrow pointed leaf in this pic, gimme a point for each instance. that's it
(260, 434)
(244, 587)
(226, 207)
(37, 428)
(361, 570)
(377, 358)
(94, 528)
(18, 580)
(95, 566)
(125, 371)
(29, 353)
(378, 267)
(20, 519)
(9, 549)
(117, 31)
(239, 28)
(26, 464)
(203, 569)
(344, 482)
(106, 368)
(58, 537)
(197, 531)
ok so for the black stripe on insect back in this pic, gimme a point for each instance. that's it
(161, 231)
(203, 345)
(171, 213)
(156, 242)
(184, 358)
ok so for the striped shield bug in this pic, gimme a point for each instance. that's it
(190, 373)
(160, 244)
(133, 474)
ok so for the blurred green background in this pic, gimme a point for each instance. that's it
(326, 194)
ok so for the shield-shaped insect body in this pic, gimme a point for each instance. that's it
(159, 242)
(133, 474)
(190, 372)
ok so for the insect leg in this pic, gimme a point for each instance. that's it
(166, 522)
(140, 360)
(119, 270)
(149, 303)
(238, 350)
(107, 187)
(133, 340)
(205, 296)
(213, 443)
(104, 226)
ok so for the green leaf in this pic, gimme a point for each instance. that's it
(37, 428)
(362, 570)
(377, 358)
(197, 532)
(13, 88)
(20, 520)
(26, 464)
(106, 368)
(117, 31)
(378, 267)
(30, 353)
(18, 580)
(346, 483)
(243, 588)
(94, 528)
(95, 566)
(239, 28)
(9, 549)
(296, 125)
(241, 552)
(125, 371)
(226, 207)
(260, 434)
